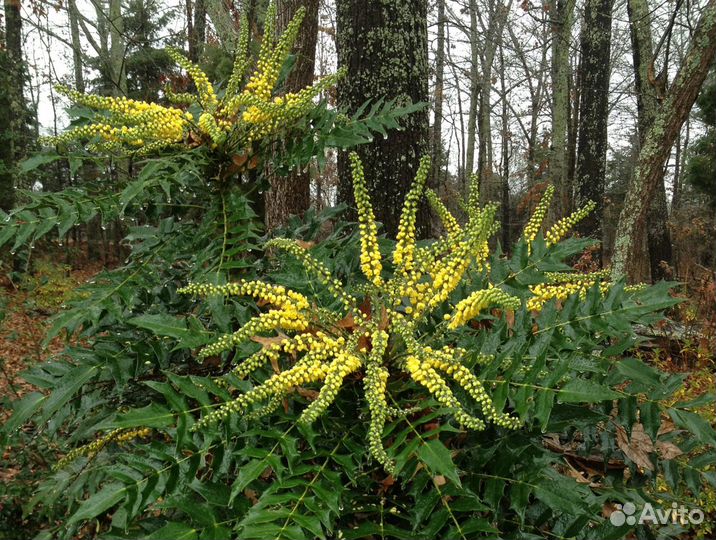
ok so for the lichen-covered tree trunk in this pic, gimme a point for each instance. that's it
(593, 112)
(291, 194)
(562, 19)
(658, 242)
(12, 102)
(660, 138)
(222, 18)
(384, 47)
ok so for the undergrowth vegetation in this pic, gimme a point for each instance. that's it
(340, 384)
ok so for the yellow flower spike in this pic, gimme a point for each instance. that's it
(241, 60)
(471, 306)
(571, 277)
(277, 295)
(472, 385)
(343, 365)
(284, 319)
(535, 222)
(370, 260)
(560, 229)
(281, 383)
(424, 374)
(446, 218)
(405, 247)
(315, 267)
(544, 293)
(374, 384)
(90, 450)
(207, 97)
(473, 198)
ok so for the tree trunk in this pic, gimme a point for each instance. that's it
(658, 243)
(490, 189)
(195, 27)
(384, 46)
(562, 18)
(474, 91)
(505, 172)
(660, 138)
(76, 46)
(118, 70)
(593, 113)
(436, 141)
(13, 113)
(291, 194)
(221, 14)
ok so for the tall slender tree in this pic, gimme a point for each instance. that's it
(13, 108)
(384, 46)
(593, 112)
(562, 20)
(291, 194)
(436, 139)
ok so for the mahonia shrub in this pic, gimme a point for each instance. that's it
(247, 111)
(358, 387)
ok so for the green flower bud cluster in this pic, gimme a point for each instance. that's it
(370, 260)
(207, 96)
(92, 449)
(560, 229)
(573, 277)
(471, 306)
(535, 222)
(405, 246)
(233, 123)
(448, 221)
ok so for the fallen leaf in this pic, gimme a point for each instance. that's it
(239, 160)
(638, 447)
(668, 450)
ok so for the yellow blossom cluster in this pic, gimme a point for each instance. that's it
(92, 449)
(559, 230)
(291, 312)
(405, 245)
(378, 332)
(479, 300)
(561, 285)
(543, 293)
(450, 224)
(535, 222)
(374, 336)
(233, 121)
(370, 260)
(379, 335)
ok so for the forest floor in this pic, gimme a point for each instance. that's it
(25, 309)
